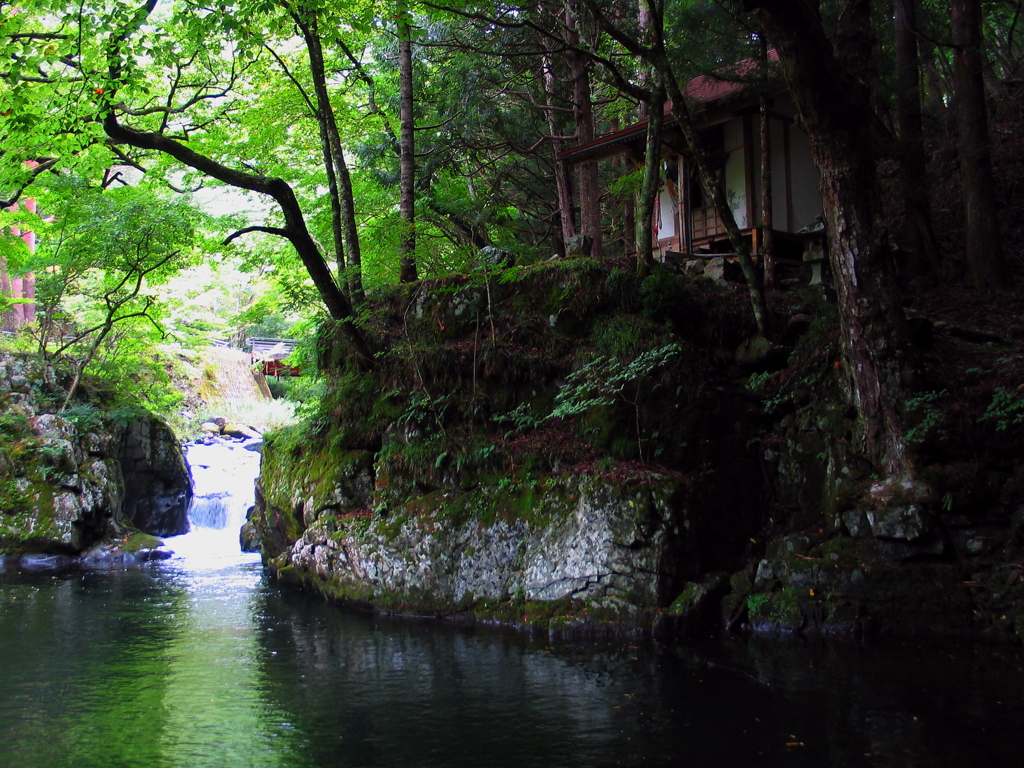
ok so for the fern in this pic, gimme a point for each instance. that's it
(604, 380)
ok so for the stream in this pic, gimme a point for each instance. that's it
(200, 660)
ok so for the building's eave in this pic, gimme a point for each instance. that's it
(707, 91)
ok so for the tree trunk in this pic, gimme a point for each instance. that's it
(648, 197)
(583, 111)
(350, 229)
(835, 108)
(985, 267)
(332, 190)
(920, 235)
(563, 180)
(346, 232)
(407, 146)
(643, 20)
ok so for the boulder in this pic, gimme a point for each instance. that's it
(492, 257)
(81, 477)
(158, 484)
(232, 429)
(579, 245)
(591, 541)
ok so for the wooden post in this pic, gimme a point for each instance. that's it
(767, 212)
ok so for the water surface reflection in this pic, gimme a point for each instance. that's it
(199, 662)
(167, 666)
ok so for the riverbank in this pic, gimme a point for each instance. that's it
(570, 445)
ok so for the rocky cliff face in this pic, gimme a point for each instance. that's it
(442, 483)
(612, 544)
(158, 487)
(569, 440)
(70, 481)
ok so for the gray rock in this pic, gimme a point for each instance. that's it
(492, 257)
(857, 523)
(905, 524)
(609, 544)
(769, 570)
(43, 562)
(715, 269)
(754, 351)
(77, 479)
(579, 245)
(158, 485)
(240, 430)
(722, 270)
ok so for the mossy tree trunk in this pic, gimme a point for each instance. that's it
(648, 198)
(407, 146)
(834, 104)
(344, 227)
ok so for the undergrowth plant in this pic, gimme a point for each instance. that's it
(923, 407)
(1006, 409)
(604, 381)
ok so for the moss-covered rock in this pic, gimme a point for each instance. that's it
(451, 475)
(594, 541)
(74, 479)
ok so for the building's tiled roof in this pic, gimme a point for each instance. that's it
(704, 90)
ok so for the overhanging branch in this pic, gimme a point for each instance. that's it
(269, 230)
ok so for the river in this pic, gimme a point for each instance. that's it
(201, 661)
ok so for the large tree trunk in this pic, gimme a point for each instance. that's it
(407, 146)
(835, 108)
(920, 235)
(583, 111)
(563, 179)
(985, 267)
(767, 203)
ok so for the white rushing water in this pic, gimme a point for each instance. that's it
(223, 476)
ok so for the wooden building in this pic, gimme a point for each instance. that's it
(726, 110)
(267, 356)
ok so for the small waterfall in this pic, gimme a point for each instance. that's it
(210, 511)
(223, 476)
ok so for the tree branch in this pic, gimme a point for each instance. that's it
(269, 230)
(42, 167)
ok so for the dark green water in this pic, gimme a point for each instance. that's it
(199, 662)
(168, 665)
